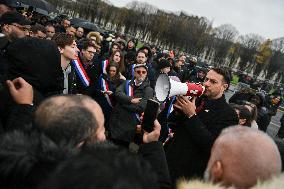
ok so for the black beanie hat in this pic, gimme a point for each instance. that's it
(163, 64)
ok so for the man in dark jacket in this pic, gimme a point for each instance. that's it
(198, 127)
(82, 74)
(131, 96)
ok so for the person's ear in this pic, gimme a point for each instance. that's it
(242, 121)
(217, 171)
(225, 86)
(61, 50)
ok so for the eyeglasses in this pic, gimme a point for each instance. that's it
(141, 72)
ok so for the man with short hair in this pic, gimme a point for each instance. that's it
(50, 31)
(131, 96)
(83, 69)
(241, 157)
(38, 31)
(68, 51)
(79, 33)
(71, 31)
(64, 24)
(141, 57)
(82, 115)
(199, 125)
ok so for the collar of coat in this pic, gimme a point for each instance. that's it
(144, 84)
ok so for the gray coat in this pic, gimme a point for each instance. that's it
(122, 121)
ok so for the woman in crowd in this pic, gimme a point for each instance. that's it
(253, 110)
(245, 116)
(131, 46)
(117, 58)
(105, 88)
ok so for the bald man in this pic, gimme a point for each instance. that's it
(241, 156)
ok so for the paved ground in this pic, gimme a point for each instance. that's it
(275, 121)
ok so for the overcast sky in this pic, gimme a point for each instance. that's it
(264, 17)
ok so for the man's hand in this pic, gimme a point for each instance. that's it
(135, 100)
(186, 106)
(154, 135)
(21, 91)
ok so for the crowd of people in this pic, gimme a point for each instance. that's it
(72, 102)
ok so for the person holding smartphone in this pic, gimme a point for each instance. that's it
(131, 97)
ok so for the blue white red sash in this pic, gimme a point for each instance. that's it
(104, 66)
(105, 87)
(171, 106)
(132, 71)
(130, 92)
(80, 70)
(170, 110)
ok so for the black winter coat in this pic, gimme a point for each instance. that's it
(189, 151)
(123, 122)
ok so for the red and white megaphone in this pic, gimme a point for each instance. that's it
(167, 87)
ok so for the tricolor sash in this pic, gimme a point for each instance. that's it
(132, 71)
(130, 92)
(105, 87)
(80, 70)
(104, 66)
(170, 110)
(171, 106)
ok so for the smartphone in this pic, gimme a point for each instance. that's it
(150, 114)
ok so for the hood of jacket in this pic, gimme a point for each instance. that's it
(38, 62)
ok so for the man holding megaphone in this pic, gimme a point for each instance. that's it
(198, 122)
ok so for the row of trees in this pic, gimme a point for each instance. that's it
(222, 45)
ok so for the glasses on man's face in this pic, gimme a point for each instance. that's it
(141, 72)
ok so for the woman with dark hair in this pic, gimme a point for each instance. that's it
(104, 89)
(131, 45)
(117, 57)
(253, 110)
(244, 115)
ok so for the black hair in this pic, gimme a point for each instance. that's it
(225, 73)
(87, 43)
(38, 27)
(63, 39)
(149, 54)
(141, 51)
(130, 56)
(106, 167)
(244, 113)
